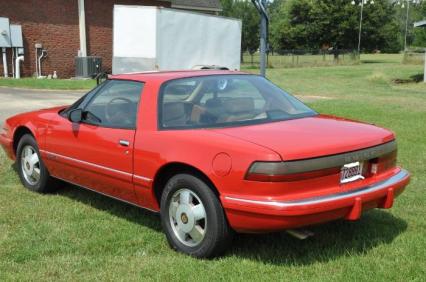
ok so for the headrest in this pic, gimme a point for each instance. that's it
(213, 103)
(239, 105)
(173, 111)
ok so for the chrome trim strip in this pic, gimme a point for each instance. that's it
(97, 166)
(87, 163)
(103, 194)
(327, 198)
(142, 178)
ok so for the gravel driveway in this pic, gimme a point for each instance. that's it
(14, 100)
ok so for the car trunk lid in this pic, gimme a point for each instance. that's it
(312, 136)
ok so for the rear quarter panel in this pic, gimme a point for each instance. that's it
(155, 148)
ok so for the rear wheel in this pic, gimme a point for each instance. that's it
(193, 218)
(31, 169)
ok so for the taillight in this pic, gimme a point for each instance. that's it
(383, 163)
(295, 171)
(278, 172)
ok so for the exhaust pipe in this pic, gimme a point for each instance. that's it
(300, 234)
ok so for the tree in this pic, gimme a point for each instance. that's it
(292, 26)
(248, 14)
(314, 24)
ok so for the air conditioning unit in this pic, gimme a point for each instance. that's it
(88, 66)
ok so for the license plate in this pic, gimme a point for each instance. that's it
(351, 172)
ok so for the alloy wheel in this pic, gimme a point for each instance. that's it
(30, 165)
(188, 217)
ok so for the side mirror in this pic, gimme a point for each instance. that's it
(75, 115)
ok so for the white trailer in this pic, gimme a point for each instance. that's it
(152, 38)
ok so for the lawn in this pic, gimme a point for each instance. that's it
(63, 84)
(79, 235)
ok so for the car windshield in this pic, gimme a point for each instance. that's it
(225, 100)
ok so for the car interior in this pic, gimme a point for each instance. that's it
(193, 102)
(219, 101)
(116, 105)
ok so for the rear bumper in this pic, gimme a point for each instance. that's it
(252, 215)
(7, 145)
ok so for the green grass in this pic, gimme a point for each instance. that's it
(79, 235)
(57, 84)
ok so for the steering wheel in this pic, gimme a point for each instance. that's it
(120, 115)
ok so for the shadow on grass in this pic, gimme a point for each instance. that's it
(376, 62)
(331, 240)
(417, 77)
(413, 79)
(114, 207)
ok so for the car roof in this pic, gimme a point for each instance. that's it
(162, 76)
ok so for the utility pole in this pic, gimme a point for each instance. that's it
(406, 25)
(361, 17)
(82, 28)
(360, 29)
(424, 73)
(264, 22)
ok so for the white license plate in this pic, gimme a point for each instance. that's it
(351, 172)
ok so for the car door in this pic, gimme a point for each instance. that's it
(97, 153)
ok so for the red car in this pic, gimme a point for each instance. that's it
(213, 151)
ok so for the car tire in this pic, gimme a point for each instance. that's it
(193, 218)
(31, 169)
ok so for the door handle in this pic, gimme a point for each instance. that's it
(124, 143)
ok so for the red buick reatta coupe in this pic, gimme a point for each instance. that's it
(213, 151)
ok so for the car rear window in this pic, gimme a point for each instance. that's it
(225, 100)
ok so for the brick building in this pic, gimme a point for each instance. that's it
(67, 27)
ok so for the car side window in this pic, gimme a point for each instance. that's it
(115, 105)
(80, 102)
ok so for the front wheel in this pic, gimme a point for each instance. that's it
(193, 218)
(31, 169)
